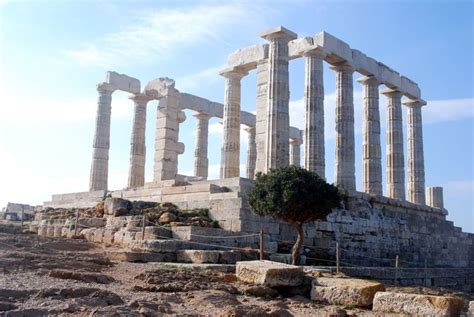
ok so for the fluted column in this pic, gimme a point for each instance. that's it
(251, 152)
(136, 175)
(345, 152)
(201, 161)
(416, 161)
(314, 113)
(230, 157)
(434, 197)
(278, 121)
(100, 153)
(295, 150)
(371, 149)
(395, 156)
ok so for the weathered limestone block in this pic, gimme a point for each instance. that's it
(116, 206)
(91, 222)
(154, 245)
(158, 88)
(364, 64)
(154, 232)
(410, 88)
(108, 237)
(434, 197)
(123, 82)
(198, 256)
(248, 57)
(421, 305)
(345, 291)
(298, 47)
(269, 273)
(339, 50)
(389, 77)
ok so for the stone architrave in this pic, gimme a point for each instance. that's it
(167, 147)
(100, 153)
(201, 161)
(345, 152)
(371, 149)
(416, 161)
(136, 175)
(230, 157)
(261, 114)
(395, 156)
(251, 152)
(278, 120)
(314, 112)
(295, 150)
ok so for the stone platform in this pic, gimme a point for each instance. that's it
(371, 230)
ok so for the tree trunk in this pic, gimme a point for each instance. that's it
(298, 244)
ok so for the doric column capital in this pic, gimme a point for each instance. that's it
(105, 88)
(279, 33)
(140, 98)
(343, 67)
(250, 129)
(296, 142)
(369, 80)
(392, 93)
(418, 103)
(233, 73)
(315, 52)
(201, 115)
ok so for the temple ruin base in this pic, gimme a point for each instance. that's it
(371, 230)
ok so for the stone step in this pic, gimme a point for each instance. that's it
(208, 256)
(141, 257)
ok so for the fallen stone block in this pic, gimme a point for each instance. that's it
(269, 273)
(414, 304)
(142, 257)
(197, 256)
(345, 291)
(154, 245)
(116, 206)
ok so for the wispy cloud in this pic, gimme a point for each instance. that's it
(192, 82)
(448, 110)
(160, 34)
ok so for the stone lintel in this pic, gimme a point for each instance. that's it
(414, 103)
(201, 115)
(410, 88)
(140, 97)
(344, 66)
(389, 92)
(317, 51)
(248, 57)
(278, 32)
(123, 82)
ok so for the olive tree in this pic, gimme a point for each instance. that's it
(294, 195)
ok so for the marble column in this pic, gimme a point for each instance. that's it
(345, 152)
(201, 161)
(136, 175)
(416, 161)
(278, 120)
(230, 156)
(261, 114)
(395, 156)
(371, 149)
(314, 113)
(434, 197)
(251, 152)
(295, 151)
(100, 154)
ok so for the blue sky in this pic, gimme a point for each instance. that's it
(53, 53)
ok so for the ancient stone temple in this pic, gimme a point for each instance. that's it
(409, 220)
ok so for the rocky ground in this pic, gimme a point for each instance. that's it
(55, 276)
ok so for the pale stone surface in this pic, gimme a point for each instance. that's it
(123, 82)
(251, 152)
(136, 175)
(395, 155)
(420, 305)
(261, 114)
(416, 160)
(295, 152)
(100, 154)
(389, 77)
(345, 140)
(248, 57)
(314, 150)
(345, 291)
(298, 47)
(434, 196)
(410, 88)
(269, 273)
(471, 308)
(158, 88)
(338, 50)
(278, 120)
(230, 156)
(201, 161)
(371, 149)
(167, 147)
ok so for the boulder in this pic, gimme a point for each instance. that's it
(116, 206)
(414, 304)
(269, 273)
(345, 291)
(167, 217)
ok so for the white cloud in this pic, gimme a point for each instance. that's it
(448, 110)
(30, 110)
(160, 34)
(192, 82)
